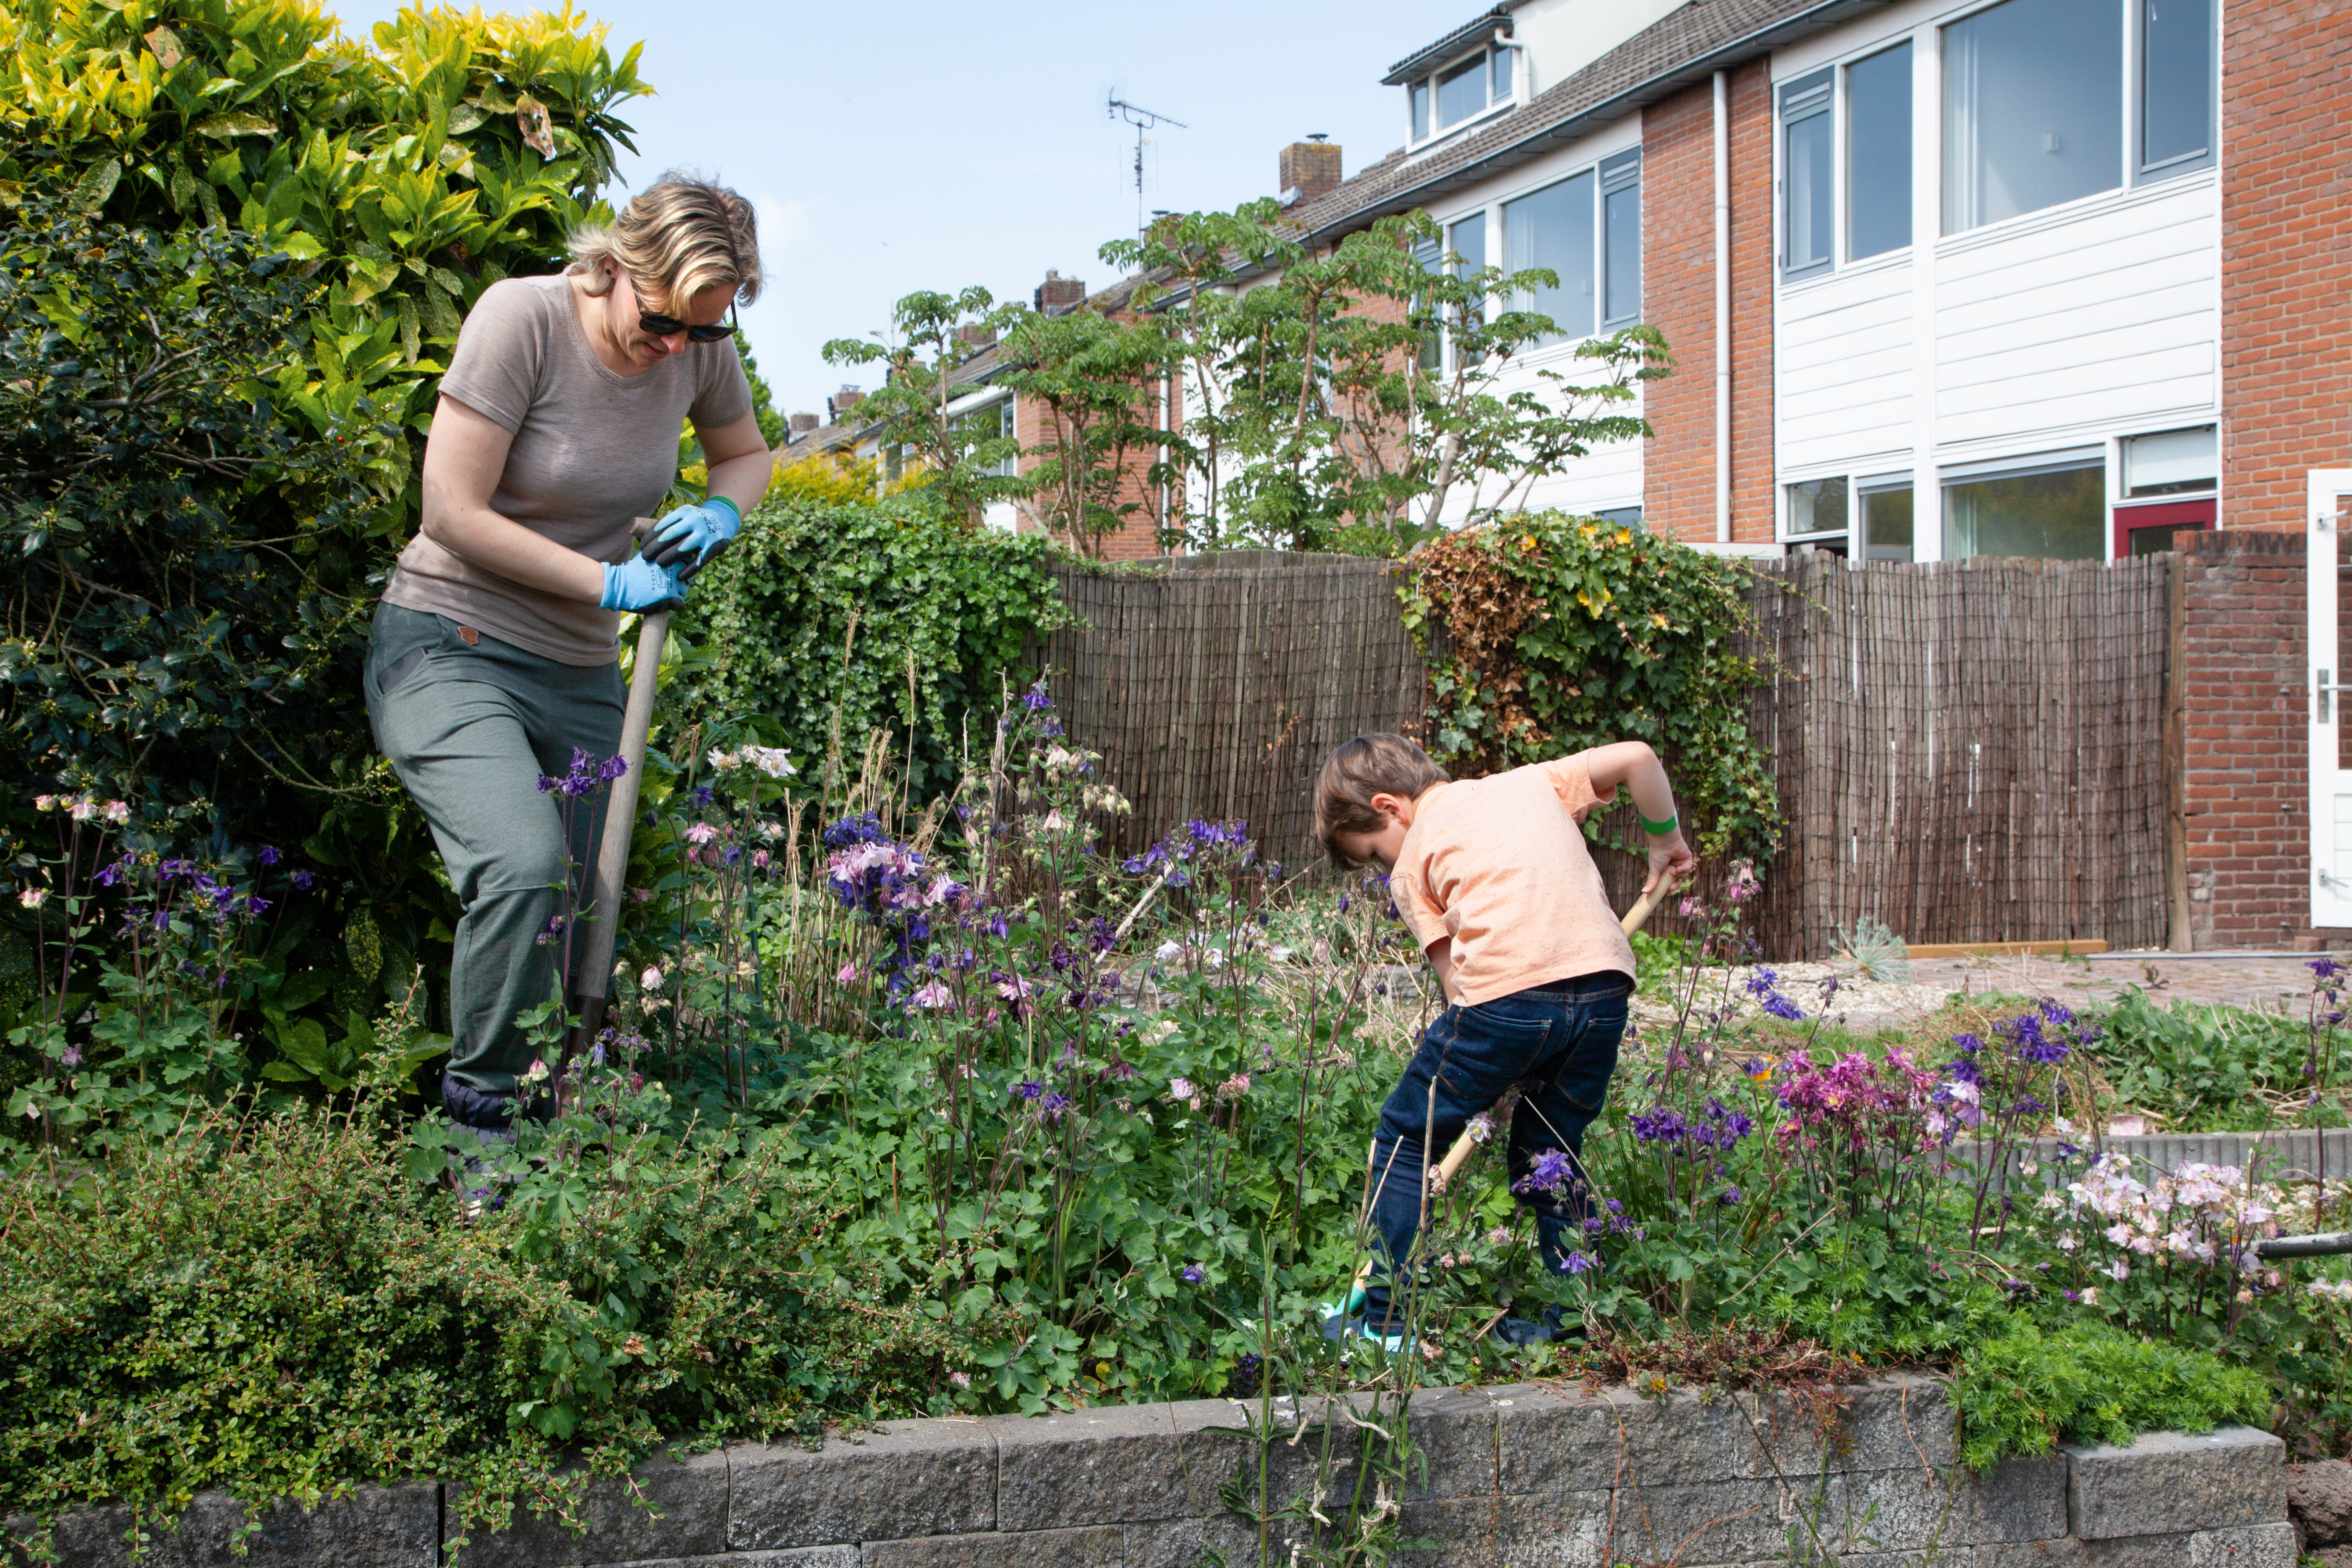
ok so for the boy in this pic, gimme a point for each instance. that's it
(1493, 879)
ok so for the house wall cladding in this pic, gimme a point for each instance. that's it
(2246, 766)
(1515, 1475)
(2286, 255)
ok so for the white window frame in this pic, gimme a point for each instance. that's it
(1485, 54)
(2131, 174)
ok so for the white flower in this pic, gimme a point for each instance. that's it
(771, 760)
(2066, 1242)
(45, 803)
(1168, 951)
(1481, 1128)
(537, 1074)
(1180, 1089)
(118, 811)
(652, 979)
(2091, 1296)
(960, 1379)
(2118, 1272)
(934, 995)
(85, 809)
(33, 898)
(721, 761)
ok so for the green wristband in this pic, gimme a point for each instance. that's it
(1659, 828)
(721, 501)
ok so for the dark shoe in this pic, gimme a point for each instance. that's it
(1553, 1330)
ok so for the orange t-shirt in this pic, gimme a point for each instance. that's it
(1497, 866)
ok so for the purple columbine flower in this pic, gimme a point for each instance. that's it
(1193, 1273)
(1780, 1006)
(2326, 968)
(268, 856)
(1763, 982)
(1029, 1088)
(1035, 699)
(1052, 1105)
(304, 881)
(1552, 1172)
(1577, 1263)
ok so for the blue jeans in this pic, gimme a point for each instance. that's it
(1558, 1044)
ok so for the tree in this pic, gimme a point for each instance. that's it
(932, 336)
(1091, 376)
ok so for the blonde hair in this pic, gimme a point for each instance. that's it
(1360, 768)
(678, 237)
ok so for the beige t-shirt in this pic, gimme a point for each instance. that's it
(593, 452)
(1498, 868)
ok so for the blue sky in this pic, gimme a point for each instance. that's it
(929, 145)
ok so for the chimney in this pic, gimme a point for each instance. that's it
(975, 334)
(1058, 294)
(1310, 168)
(842, 402)
(802, 424)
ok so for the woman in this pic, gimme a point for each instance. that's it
(495, 656)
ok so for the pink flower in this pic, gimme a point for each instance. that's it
(85, 809)
(934, 995)
(1180, 1089)
(701, 833)
(45, 803)
(848, 976)
(33, 898)
(960, 1379)
(118, 811)
(1234, 1087)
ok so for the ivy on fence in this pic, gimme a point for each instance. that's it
(1545, 634)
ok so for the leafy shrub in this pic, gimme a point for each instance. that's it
(271, 1305)
(2217, 1069)
(1546, 634)
(829, 621)
(2025, 1391)
(273, 234)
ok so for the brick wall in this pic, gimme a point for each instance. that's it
(2245, 774)
(1678, 299)
(2286, 255)
(1139, 540)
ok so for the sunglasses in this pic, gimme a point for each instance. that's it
(662, 326)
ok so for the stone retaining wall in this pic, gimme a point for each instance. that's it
(1518, 1476)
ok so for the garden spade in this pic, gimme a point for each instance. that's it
(603, 914)
(1459, 1155)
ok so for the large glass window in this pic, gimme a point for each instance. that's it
(1878, 152)
(1461, 90)
(1553, 228)
(1885, 522)
(1807, 178)
(2057, 515)
(2175, 82)
(2032, 107)
(1620, 239)
(1467, 240)
(1501, 73)
(1817, 506)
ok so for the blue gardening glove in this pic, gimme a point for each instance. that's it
(638, 583)
(704, 530)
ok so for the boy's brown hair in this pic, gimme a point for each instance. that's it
(1360, 768)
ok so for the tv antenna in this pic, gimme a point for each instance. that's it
(1143, 119)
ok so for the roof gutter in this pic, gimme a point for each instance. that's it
(1698, 68)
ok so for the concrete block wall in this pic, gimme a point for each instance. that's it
(1517, 1475)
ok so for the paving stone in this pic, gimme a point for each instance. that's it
(1877, 1512)
(1712, 1521)
(1212, 1448)
(1557, 1531)
(375, 1527)
(688, 1518)
(2112, 1551)
(1089, 1546)
(1107, 1465)
(913, 1478)
(1453, 1430)
(795, 1557)
(2021, 1500)
(1556, 1443)
(2170, 1482)
(2246, 1546)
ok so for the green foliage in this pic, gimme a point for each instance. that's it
(1547, 634)
(272, 1306)
(1089, 376)
(932, 335)
(937, 607)
(2025, 1391)
(235, 251)
(2215, 1069)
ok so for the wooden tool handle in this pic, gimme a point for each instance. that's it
(594, 976)
(1459, 1155)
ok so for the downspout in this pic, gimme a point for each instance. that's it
(1522, 89)
(1722, 309)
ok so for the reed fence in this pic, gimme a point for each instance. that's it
(1965, 752)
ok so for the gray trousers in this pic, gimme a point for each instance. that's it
(470, 726)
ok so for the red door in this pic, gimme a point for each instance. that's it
(2144, 530)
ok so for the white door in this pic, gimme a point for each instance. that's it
(2331, 782)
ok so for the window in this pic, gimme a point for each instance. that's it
(1009, 465)
(1886, 520)
(2032, 107)
(1463, 90)
(1428, 255)
(1878, 153)
(1622, 517)
(1807, 180)
(1621, 242)
(1553, 228)
(2058, 513)
(2171, 463)
(2176, 84)
(1817, 506)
